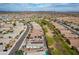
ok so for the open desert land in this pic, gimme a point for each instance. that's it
(69, 16)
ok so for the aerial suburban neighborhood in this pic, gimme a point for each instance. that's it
(39, 32)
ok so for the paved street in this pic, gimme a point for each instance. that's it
(18, 44)
(74, 31)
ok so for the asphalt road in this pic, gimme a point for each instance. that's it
(74, 31)
(18, 44)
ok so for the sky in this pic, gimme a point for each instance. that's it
(59, 7)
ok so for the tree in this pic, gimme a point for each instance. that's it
(10, 37)
(14, 24)
(19, 52)
(0, 31)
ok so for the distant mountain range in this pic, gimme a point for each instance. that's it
(39, 11)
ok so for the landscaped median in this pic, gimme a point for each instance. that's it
(55, 41)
